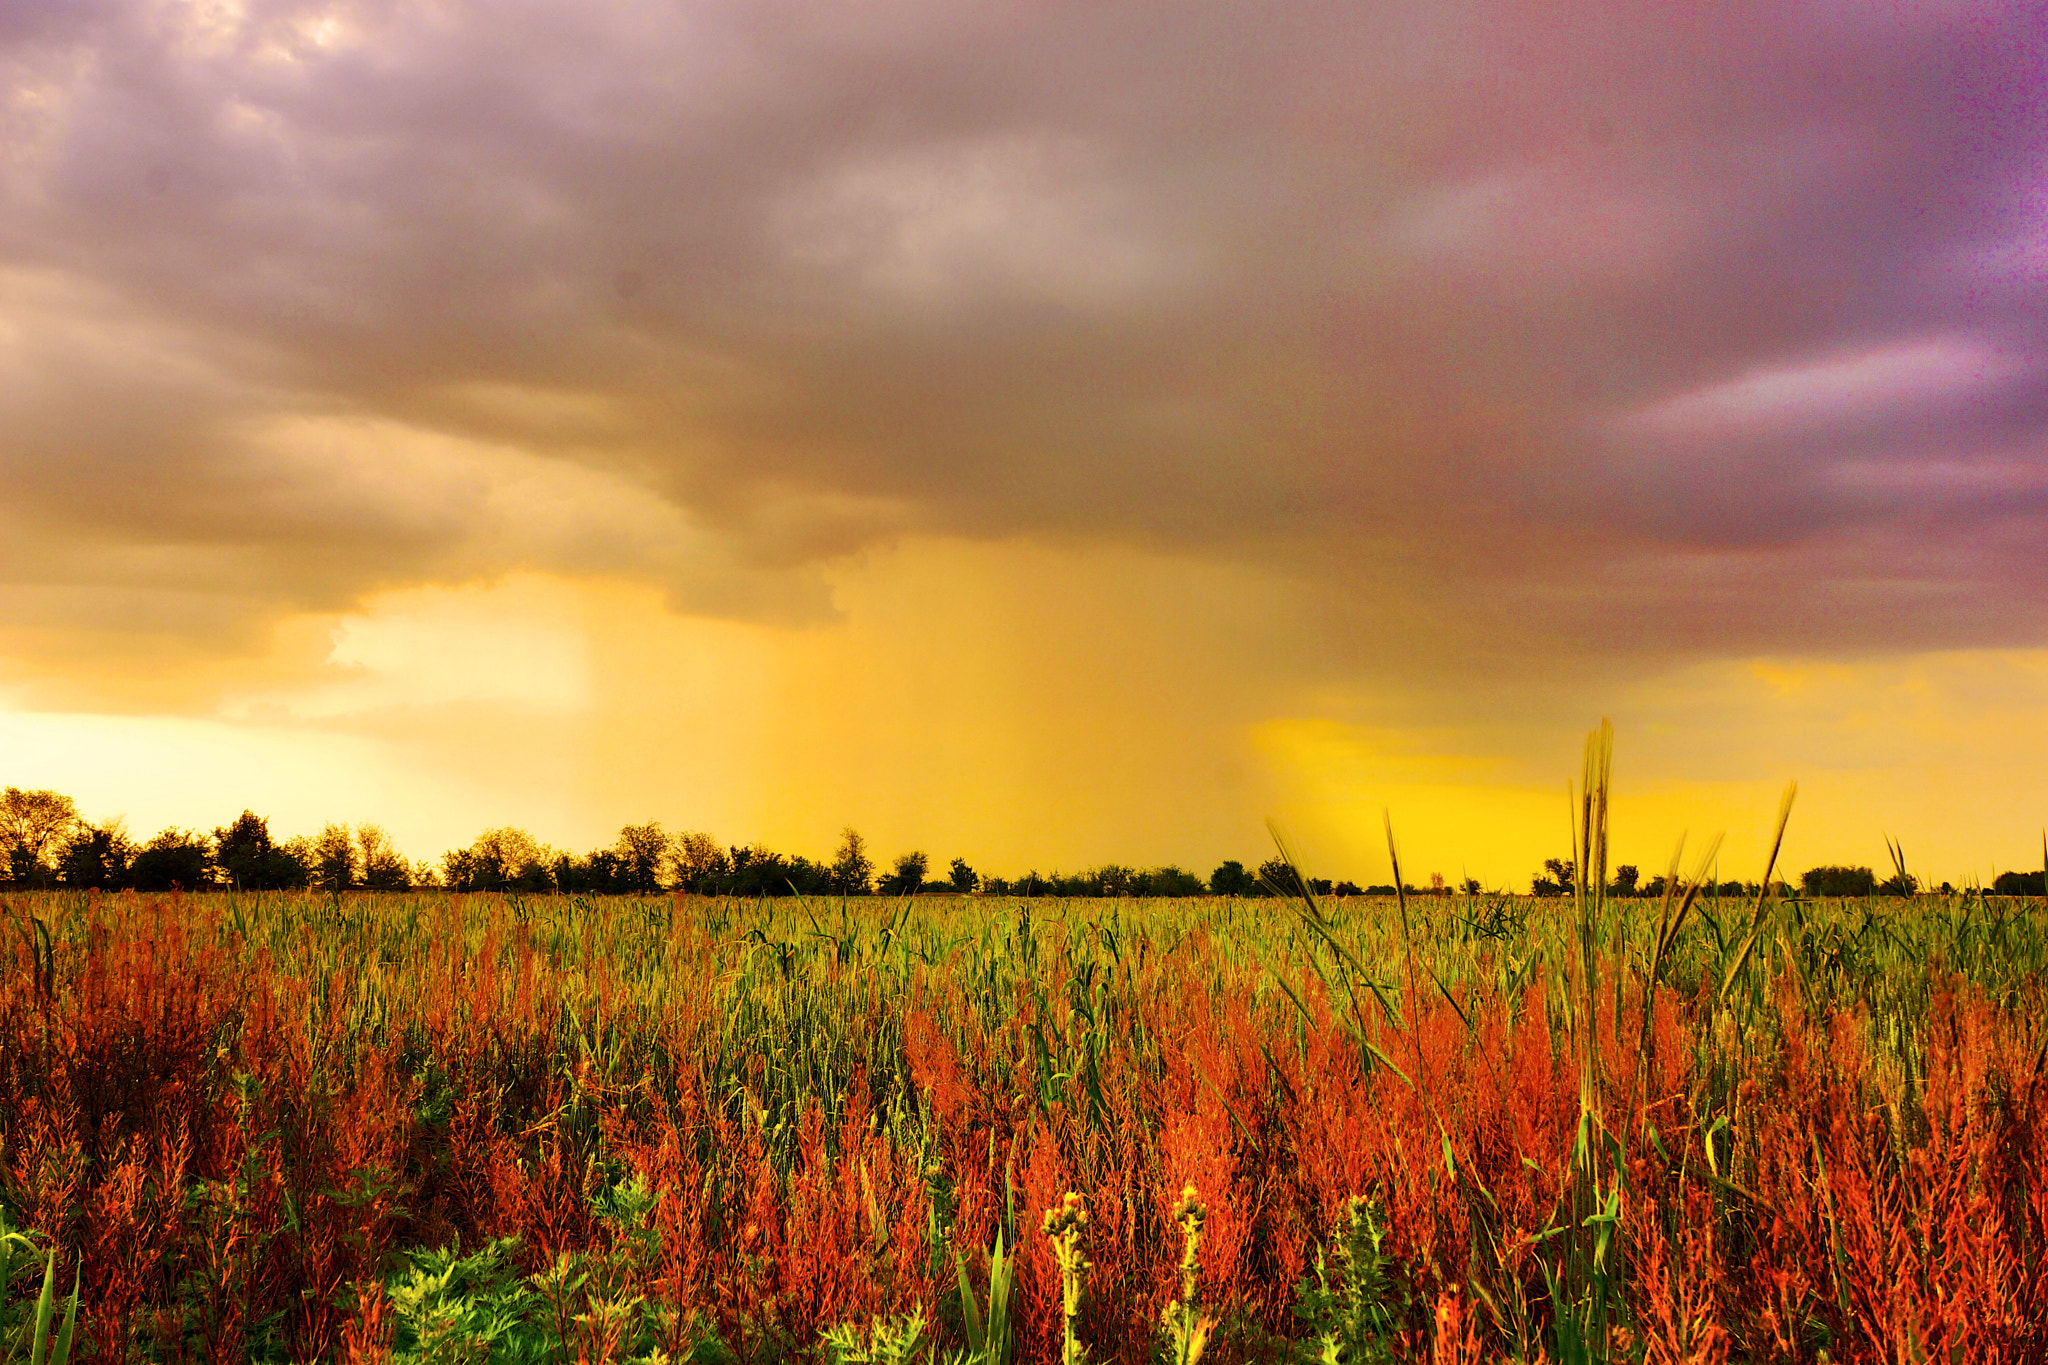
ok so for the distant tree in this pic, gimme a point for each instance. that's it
(503, 859)
(1625, 878)
(908, 877)
(31, 823)
(1838, 881)
(35, 818)
(852, 869)
(757, 870)
(95, 856)
(1656, 886)
(1346, 888)
(1470, 886)
(1733, 889)
(383, 868)
(1171, 880)
(600, 874)
(700, 864)
(1278, 876)
(1231, 879)
(961, 877)
(807, 878)
(1560, 876)
(241, 850)
(249, 859)
(642, 852)
(2018, 884)
(334, 858)
(176, 859)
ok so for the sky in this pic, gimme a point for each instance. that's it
(1044, 433)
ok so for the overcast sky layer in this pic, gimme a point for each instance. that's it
(1055, 432)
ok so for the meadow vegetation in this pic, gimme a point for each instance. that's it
(444, 1127)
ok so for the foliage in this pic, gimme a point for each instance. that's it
(175, 859)
(334, 865)
(1560, 875)
(383, 869)
(31, 824)
(721, 1127)
(95, 857)
(1231, 879)
(1838, 881)
(22, 1325)
(852, 869)
(907, 877)
(700, 862)
(503, 859)
(246, 857)
(1353, 1310)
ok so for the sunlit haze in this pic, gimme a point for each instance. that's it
(1044, 434)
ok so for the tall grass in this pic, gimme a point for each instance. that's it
(1584, 1128)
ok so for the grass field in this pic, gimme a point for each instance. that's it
(429, 1127)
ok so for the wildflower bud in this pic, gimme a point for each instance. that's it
(1189, 1207)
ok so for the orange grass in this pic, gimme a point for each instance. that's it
(233, 1125)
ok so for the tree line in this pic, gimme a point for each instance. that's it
(49, 844)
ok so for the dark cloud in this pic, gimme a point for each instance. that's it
(1571, 330)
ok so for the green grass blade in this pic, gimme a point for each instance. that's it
(39, 1340)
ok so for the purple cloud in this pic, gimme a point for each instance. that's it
(1592, 329)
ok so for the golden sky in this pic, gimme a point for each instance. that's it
(1044, 434)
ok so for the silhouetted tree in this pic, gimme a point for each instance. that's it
(334, 858)
(2018, 884)
(1561, 877)
(1838, 881)
(908, 877)
(642, 853)
(961, 877)
(1231, 879)
(700, 864)
(602, 873)
(852, 869)
(503, 859)
(249, 859)
(95, 856)
(1170, 880)
(31, 823)
(1625, 878)
(1278, 876)
(176, 859)
(383, 868)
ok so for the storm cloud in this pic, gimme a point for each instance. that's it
(1687, 331)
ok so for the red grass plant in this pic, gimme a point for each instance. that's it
(233, 1146)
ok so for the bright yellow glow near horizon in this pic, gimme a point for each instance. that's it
(1037, 708)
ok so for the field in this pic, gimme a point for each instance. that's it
(291, 1127)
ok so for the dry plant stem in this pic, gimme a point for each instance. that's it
(1408, 947)
(1067, 1226)
(1591, 875)
(1763, 893)
(1671, 915)
(1187, 1330)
